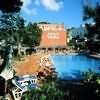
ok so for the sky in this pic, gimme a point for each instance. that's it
(69, 12)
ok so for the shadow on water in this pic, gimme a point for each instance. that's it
(73, 75)
(73, 83)
(79, 90)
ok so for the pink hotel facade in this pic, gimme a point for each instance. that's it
(53, 36)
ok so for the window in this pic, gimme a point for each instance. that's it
(43, 27)
(19, 94)
(16, 96)
(53, 35)
(34, 81)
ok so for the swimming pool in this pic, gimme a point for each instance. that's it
(70, 67)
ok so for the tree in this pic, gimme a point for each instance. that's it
(10, 25)
(93, 35)
(20, 33)
(10, 6)
(12, 28)
(33, 35)
(9, 9)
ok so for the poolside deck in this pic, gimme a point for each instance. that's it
(34, 64)
(28, 66)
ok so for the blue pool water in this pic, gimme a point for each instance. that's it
(71, 66)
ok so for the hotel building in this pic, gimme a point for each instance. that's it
(54, 36)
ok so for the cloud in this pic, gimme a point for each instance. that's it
(32, 11)
(52, 5)
(26, 7)
(26, 3)
(29, 6)
(37, 2)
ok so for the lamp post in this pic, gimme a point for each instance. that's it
(85, 40)
(76, 42)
